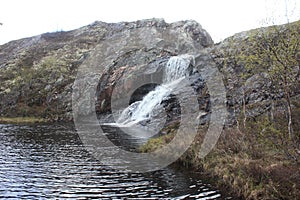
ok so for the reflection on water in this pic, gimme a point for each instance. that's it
(49, 161)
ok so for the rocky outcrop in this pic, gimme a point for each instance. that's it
(37, 74)
(251, 90)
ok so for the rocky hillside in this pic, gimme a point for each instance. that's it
(41, 75)
(37, 73)
(254, 64)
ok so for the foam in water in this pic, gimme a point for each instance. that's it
(176, 69)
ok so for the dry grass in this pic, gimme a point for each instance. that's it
(240, 163)
(21, 120)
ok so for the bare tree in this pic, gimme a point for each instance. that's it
(276, 50)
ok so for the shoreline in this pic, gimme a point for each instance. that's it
(241, 169)
(235, 166)
(23, 120)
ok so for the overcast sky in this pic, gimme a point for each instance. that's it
(221, 18)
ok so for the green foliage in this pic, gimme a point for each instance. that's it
(273, 51)
(277, 52)
(30, 83)
(152, 145)
(156, 143)
(271, 136)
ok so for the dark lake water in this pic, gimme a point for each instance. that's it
(50, 162)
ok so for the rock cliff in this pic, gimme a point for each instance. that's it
(37, 73)
(54, 75)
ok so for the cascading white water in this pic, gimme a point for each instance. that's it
(176, 69)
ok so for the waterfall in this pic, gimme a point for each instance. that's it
(177, 68)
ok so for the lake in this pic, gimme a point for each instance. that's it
(50, 161)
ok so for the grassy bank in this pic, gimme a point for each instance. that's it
(250, 164)
(22, 120)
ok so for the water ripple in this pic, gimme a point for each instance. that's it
(49, 161)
